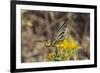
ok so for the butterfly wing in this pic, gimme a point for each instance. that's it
(61, 33)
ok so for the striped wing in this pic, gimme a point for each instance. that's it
(61, 33)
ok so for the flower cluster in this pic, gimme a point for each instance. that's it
(64, 50)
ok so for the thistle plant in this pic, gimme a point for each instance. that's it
(64, 46)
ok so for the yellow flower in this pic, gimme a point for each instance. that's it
(68, 43)
(50, 56)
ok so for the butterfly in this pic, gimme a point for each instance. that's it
(63, 45)
(62, 39)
